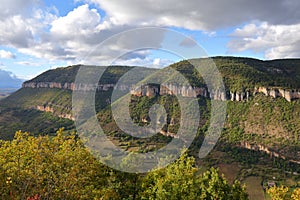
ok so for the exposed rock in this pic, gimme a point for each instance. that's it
(218, 95)
(168, 134)
(173, 121)
(145, 120)
(47, 108)
(172, 89)
(239, 96)
(247, 95)
(262, 148)
(232, 96)
(68, 86)
(289, 95)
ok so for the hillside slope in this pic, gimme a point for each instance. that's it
(244, 78)
(258, 118)
(260, 139)
(25, 108)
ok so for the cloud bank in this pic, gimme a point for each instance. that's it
(270, 26)
(200, 14)
(277, 41)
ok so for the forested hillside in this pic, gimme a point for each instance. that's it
(260, 141)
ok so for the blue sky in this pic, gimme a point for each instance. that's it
(37, 35)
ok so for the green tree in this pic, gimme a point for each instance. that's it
(52, 168)
(296, 194)
(181, 180)
(278, 193)
(60, 167)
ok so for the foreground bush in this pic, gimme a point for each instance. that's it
(61, 167)
(283, 193)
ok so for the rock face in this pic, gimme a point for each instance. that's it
(68, 86)
(173, 89)
(240, 96)
(261, 148)
(50, 109)
(45, 108)
(289, 95)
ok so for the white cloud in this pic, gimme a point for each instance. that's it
(38, 32)
(24, 30)
(15, 32)
(16, 7)
(145, 62)
(156, 61)
(80, 21)
(6, 54)
(276, 41)
(74, 36)
(200, 14)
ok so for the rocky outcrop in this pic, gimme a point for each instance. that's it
(152, 90)
(264, 149)
(51, 110)
(48, 85)
(240, 96)
(69, 86)
(289, 95)
(45, 109)
(168, 134)
(173, 89)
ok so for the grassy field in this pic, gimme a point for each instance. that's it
(230, 171)
(254, 188)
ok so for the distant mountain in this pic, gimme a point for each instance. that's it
(9, 80)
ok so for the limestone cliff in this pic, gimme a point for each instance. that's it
(174, 89)
(47, 108)
(289, 95)
(67, 86)
(262, 148)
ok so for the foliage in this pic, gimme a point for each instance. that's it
(262, 120)
(245, 73)
(68, 74)
(282, 193)
(181, 180)
(296, 194)
(30, 120)
(62, 168)
(278, 193)
(58, 168)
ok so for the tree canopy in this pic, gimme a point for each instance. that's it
(60, 167)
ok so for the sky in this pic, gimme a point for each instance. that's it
(38, 35)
